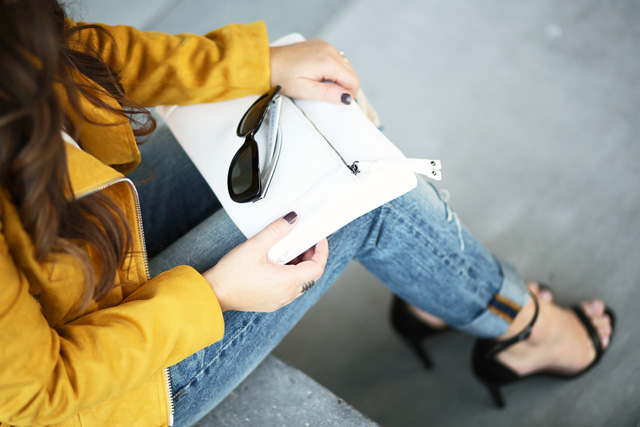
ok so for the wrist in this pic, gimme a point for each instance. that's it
(211, 278)
(273, 65)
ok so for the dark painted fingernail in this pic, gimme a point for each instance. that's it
(346, 98)
(291, 217)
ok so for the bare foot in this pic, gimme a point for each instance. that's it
(558, 342)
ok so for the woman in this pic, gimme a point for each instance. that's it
(92, 334)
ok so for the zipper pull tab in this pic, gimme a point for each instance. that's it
(354, 168)
(427, 167)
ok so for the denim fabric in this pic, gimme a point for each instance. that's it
(414, 244)
(173, 195)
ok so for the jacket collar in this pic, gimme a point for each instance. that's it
(87, 173)
(106, 135)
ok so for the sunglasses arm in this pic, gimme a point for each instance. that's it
(274, 145)
(267, 175)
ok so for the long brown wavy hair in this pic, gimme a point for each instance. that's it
(35, 55)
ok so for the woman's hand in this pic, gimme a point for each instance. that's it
(247, 280)
(314, 69)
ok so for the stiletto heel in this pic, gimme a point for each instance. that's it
(412, 330)
(418, 347)
(493, 374)
(494, 391)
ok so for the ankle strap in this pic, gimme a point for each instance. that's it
(498, 346)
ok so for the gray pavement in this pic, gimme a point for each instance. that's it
(533, 108)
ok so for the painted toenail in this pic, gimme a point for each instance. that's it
(605, 341)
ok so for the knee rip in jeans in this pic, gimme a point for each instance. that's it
(452, 215)
(444, 195)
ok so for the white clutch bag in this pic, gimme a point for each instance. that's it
(334, 166)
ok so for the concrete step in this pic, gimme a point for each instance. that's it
(277, 394)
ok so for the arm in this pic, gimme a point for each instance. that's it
(50, 374)
(230, 62)
(158, 68)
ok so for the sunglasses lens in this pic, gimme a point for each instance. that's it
(255, 114)
(244, 175)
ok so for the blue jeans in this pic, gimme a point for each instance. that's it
(414, 244)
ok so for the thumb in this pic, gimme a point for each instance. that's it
(329, 92)
(275, 231)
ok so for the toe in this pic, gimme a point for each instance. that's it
(603, 326)
(593, 308)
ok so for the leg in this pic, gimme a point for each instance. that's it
(422, 252)
(468, 281)
(414, 244)
(201, 381)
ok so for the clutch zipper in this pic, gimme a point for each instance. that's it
(427, 167)
(353, 167)
(165, 372)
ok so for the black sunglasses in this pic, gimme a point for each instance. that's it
(245, 181)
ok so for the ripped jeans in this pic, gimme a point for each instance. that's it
(414, 244)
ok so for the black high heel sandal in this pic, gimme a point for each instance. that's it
(413, 330)
(493, 374)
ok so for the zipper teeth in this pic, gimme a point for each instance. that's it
(167, 382)
(138, 214)
(165, 371)
(101, 187)
(140, 229)
(350, 167)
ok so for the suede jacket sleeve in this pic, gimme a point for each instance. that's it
(51, 373)
(162, 69)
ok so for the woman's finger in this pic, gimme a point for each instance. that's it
(326, 91)
(273, 233)
(313, 69)
(307, 255)
(321, 253)
(342, 73)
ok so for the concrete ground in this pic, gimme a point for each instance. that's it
(533, 108)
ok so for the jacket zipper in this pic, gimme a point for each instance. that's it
(167, 382)
(165, 371)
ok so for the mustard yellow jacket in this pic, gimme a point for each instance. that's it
(107, 365)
